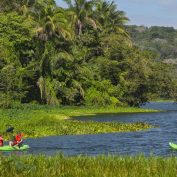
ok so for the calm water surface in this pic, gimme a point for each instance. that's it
(154, 141)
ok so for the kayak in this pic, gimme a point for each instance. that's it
(14, 148)
(172, 145)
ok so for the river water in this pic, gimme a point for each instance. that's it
(154, 141)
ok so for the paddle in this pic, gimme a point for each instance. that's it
(10, 130)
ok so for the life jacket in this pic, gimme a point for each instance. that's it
(18, 138)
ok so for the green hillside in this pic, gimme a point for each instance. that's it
(160, 40)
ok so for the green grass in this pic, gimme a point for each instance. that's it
(39, 121)
(83, 166)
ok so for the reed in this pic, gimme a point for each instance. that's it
(84, 166)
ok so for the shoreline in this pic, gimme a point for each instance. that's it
(43, 121)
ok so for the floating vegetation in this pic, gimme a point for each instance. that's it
(38, 121)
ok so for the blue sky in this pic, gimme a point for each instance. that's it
(148, 12)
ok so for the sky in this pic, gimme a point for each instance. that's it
(147, 12)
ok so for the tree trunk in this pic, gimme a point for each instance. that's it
(79, 27)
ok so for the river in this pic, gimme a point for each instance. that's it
(153, 141)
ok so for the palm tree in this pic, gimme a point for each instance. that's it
(51, 22)
(81, 12)
(111, 19)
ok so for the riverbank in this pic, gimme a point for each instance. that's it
(107, 166)
(39, 121)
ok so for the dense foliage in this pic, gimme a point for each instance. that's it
(81, 55)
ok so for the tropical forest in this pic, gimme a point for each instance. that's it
(76, 75)
(80, 55)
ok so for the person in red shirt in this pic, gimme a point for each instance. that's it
(1, 140)
(17, 140)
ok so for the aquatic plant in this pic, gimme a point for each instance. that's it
(38, 121)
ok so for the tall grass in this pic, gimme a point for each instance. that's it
(83, 166)
(38, 121)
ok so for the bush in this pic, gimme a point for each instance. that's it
(97, 98)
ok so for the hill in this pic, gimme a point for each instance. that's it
(160, 40)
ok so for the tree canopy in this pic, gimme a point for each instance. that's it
(79, 55)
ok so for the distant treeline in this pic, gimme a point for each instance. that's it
(79, 55)
(160, 40)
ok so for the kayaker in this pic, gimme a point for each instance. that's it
(17, 140)
(1, 140)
